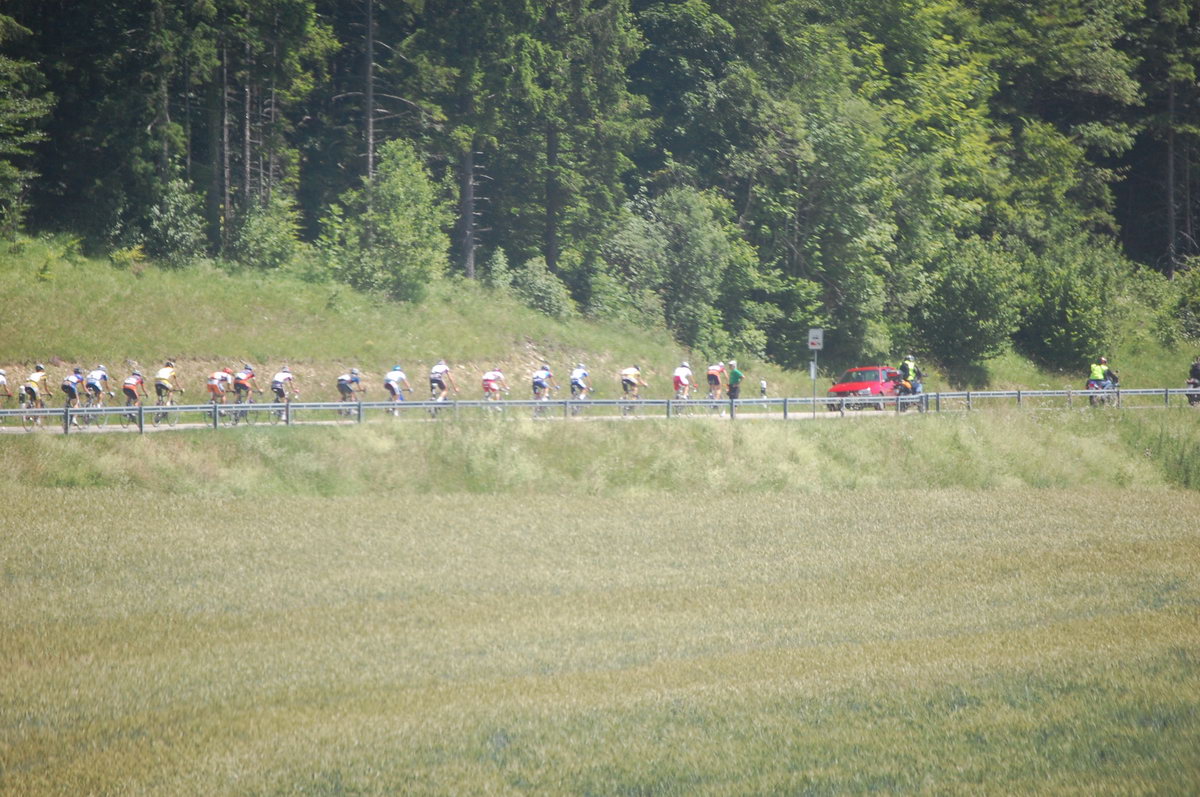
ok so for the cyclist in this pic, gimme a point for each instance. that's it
(350, 383)
(1100, 375)
(716, 379)
(395, 382)
(131, 387)
(439, 375)
(219, 383)
(243, 381)
(580, 387)
(631, 381)
(734, 387)
(493, 383)
(683, 380)
(166, 381)
(96, 383)
(4, 383)
(543, 379)
(281, 383)
(35, 383)
(71, 385)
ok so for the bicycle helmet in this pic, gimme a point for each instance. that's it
(397, 368)
(137, 373)
(1103, 360)
(79, 370)
(101, 368)
(39, 367)
(3, 372)
(685, 365)
(354, 371)
(227, 370)
(285, 370)
(247, 367)
(170, 364)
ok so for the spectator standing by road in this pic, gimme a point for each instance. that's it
(735, 380)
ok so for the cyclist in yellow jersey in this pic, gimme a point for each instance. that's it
(35, 383)
(166, 380)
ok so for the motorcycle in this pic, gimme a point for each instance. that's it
(1193, 384)
(906, 388)
(1104, 388)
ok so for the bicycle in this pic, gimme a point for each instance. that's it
(95, 401)
(438, 397)
(129, 417)
(243, 411)
(163, 415)
(350, 408)
(541, 394)
(578, 393)
(31, 422)
(275, 416)
(224, 416)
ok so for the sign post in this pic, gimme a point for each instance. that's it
(816, 342)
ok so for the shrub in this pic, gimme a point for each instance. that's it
(268, 236)
(534, 285)
(175, 233)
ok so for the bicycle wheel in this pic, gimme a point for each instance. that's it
(159, 415)
(29, 422)
(127, 417)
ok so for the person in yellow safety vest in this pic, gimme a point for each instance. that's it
(1099, 374)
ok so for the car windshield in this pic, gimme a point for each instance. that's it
(870, 375)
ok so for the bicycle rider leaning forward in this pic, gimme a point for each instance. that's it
(96, 382)
(243, 381)
(580, 387)
(716, 379)
(4, 384)
(543, 379)
(281, 383)
(493, 383)
(219, 383)
(131, 387)
(396, 382)
(350, 383)
(166, 382)
(439, 376)
(631, 381)
(683, 380)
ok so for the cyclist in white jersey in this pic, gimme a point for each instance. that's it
(96, 381)
(71, 385)
(493, 383)
(395, 382)
(4, 384)
(439, 378)
(683, 380)
(283, 383)
(543, 380)
(580, 386)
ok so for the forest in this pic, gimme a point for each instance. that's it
(951, 177)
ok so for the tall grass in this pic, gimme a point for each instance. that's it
(984, 641)
(982, 450)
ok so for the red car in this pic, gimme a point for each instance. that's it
(869, 380)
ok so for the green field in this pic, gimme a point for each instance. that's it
(996, 603)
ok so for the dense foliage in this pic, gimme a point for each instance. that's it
(951, 176)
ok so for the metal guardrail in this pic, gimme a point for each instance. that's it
(308, 412)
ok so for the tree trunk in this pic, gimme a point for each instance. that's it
(1171, 214)
(226, 167)
(370, 91)
(247, 126)
(553, 197)
(464, 236)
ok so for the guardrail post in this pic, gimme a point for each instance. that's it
(215, 414)
(66, 418)
(668, 408)
(287, 413)
(1070, 403)
(968, 401)
(141, 419)
(937, 401)
(731, 409)
(1166, 397)
(566, 409)
(360, 411)
(1118, 398)
(1018, 398)
(785, 408)
(897, 403)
